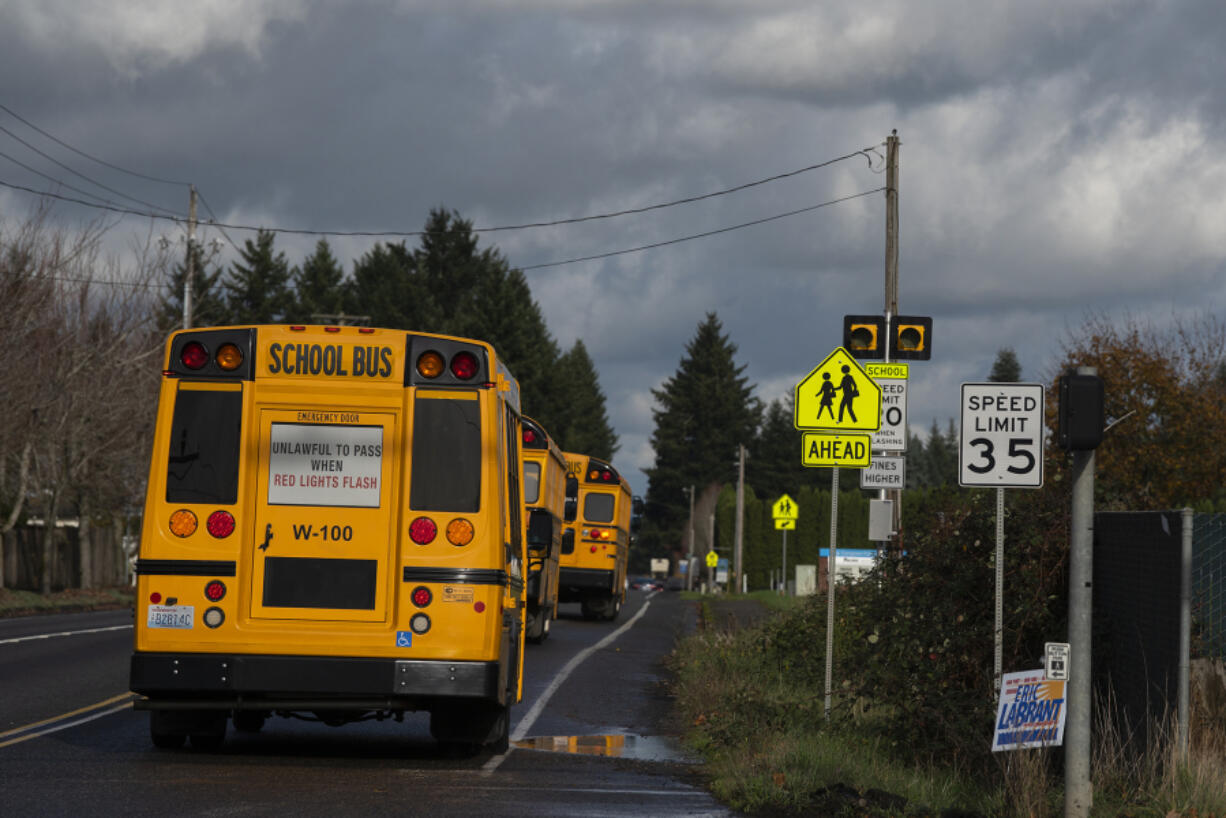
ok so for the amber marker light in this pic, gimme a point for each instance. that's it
(430, 364)
(229, 357)
(459, 531)
(183, 523)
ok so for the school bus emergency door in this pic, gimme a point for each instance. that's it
(333, 526)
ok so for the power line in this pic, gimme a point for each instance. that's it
(82, 175)
(701, 235)
(526, 268)
(53, 180)
(213, 222)
(557, 222)
(62, 143)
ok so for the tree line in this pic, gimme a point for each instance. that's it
(80, 368)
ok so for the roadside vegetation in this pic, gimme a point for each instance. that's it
(71, 600)
(912, 706)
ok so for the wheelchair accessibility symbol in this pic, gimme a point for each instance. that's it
(404, 639)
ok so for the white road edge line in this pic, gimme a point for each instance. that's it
(531, 716)
(17, 639)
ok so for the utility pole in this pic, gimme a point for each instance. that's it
(735, 585)
(191, 259)
(891, 278)
(1078, 788)
(689, 563)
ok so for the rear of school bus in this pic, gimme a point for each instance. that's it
(544, 509)
(332, 530)
(593, 570)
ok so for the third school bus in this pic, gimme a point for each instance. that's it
(332, 529)
(593, 571)
(544, 509)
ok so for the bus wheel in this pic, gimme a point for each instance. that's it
(613, 608)
(499, 741)
(536, 626)
(161, 736)
(249, 721)
(210, 733)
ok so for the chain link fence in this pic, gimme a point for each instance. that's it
(1209, 586)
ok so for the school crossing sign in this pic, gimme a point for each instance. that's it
(837, 406)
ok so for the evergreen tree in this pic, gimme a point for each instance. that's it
(705, 410)
(583, 422)
(208, 306)
(1006, 369)
(481, 296)
(318, 286)
(386, 288)
(774, 455)
(257, 288)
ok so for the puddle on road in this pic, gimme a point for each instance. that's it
(640, 748)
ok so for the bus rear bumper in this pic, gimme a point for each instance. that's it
(574, 583)
(179, 680)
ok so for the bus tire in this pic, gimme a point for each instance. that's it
(159, 733)
(210, 733)
(249, 721)
(535, 627)
(613, 608)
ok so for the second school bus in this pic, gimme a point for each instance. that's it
(544, 509)
(593, 570)
(332, 529)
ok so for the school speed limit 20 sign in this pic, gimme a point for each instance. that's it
(1002, 435)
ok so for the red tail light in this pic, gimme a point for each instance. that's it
(464, 365)
(220, 524)
(529, 436)
(215, 590)
(421, 596)
(194, 355)
(423, 531)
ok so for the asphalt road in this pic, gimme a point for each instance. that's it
(70, 744)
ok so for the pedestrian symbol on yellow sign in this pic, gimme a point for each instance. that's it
(785, 508)
(712, 559)
(839, 375)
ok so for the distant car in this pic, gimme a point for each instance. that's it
(675, 584)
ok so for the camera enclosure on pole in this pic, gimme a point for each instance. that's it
(1079, 424)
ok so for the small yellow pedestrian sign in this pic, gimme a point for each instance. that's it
(712, 559)
(785, 508)
(838, 396)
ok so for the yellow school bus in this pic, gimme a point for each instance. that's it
(544, 510)
(332, 530)
(593, 570)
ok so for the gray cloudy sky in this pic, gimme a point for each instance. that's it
(1057, 156)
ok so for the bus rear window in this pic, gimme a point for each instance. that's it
(204, 447)
(446, 470)
(598, 508)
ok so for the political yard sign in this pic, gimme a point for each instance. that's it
(1031, 712)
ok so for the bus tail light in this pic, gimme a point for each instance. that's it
(430, 364)
(423, 531)
(460, 531)
(215, 590)
(194, 355)
(421, 596)
(213, 617)
(183, 523)
(220, 524)
(464, 366)
(419, 623)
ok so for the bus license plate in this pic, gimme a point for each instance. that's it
(171, 616)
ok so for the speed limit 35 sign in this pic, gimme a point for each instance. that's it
(1001, 441)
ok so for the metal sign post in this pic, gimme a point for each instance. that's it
(834, 555)
(1001, 446)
